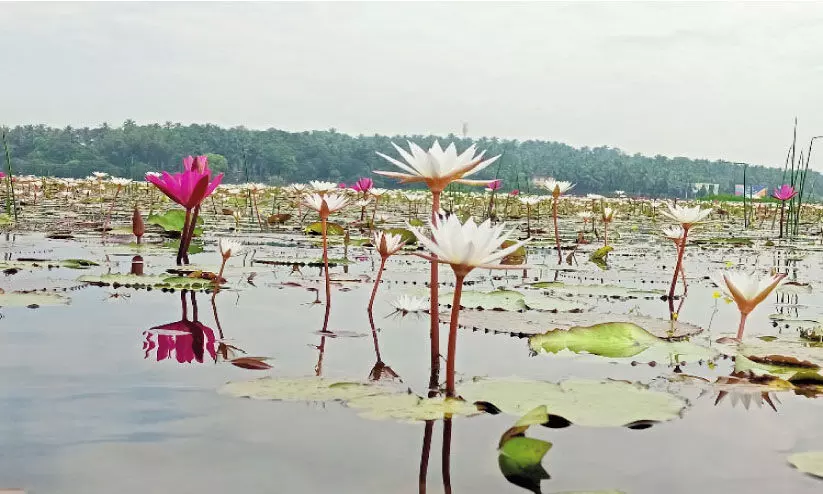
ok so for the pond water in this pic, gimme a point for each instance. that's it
(94, 400)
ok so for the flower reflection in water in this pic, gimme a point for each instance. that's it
(185, 340)
(380, 369)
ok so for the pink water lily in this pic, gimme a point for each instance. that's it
(188, 188)
(784, 193)
(495, 185)
(362, 185)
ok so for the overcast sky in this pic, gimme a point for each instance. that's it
(702, 80)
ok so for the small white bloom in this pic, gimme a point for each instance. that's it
(468, 244)
(673, 232)
(747, 290)
(120, 181)
(555, 187)
(297, 188)
(99, 175)
(405, 303)
(686, 216)
(437, 167)
(376, 192)
(321, 186)
(387, 243)
(153, 174)
(585, 215)
(594, 197)
(334, 202)
(229, 247)
(608, 214)
(362, 203)
(529, 200)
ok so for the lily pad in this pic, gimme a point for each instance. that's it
(506, 300)
(810, 462)
(407, 407)
(519, 457)
(173, 221)
(142, 281)
(604, 291)
(406, 235)
(32, 300)
(582, 402)
(618, 340)
(301, 389)
(332, 229)
(554, 304)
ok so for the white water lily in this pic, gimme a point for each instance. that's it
(332, 202)
(594, 197)
(673, 232)
(363, 203)
(229, 247)
(98, 175)
(120, 182)
(405, 304)
(529, 200)
(608, 214)
(557, 188)
(377, 192)
(686, 216)
(387, 243)
(585, 215)
(746, 289)
(153, 174)
(437, 167)
(468, 245)
(297, 188)
(320, 186)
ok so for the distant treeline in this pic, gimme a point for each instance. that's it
(277, 157)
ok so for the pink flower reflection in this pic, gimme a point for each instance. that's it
(183, 340)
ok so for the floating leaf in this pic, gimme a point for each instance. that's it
(173, 221)
(520, 458)
(581, 402)
(142, 281)
(810, 462)
(605, 291)
(406, 235)
(32, 300)
(607, 340)
(332, 229)
(77, 263)
(301, 389)
(553, 304)
(508, 300)
(407, 407)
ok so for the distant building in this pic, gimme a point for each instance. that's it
(711, 189)
(755, 191)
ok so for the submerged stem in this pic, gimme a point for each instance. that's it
(434, 309)
(376, 283)
(556, 231)
(452, 348)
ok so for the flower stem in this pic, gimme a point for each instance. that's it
(324, 224)
(681, 249)
(376, 283)
(434, 309)
(742, 325)
(556, 231)
(782, 214)
(605, 234)
(446, 457)
(458, 292)
(183, 233)
(424, 456)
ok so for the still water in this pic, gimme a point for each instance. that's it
(92, 401)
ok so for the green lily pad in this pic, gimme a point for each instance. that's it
(332, 229)
(582, 402)
(407, 407)
(406, 235)
(618, 340)
(173, 221)
(507, 300)
(77, 263)
(301, 389)
(519, 457)
(810, 462)
(32, 300)
(142, 281)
